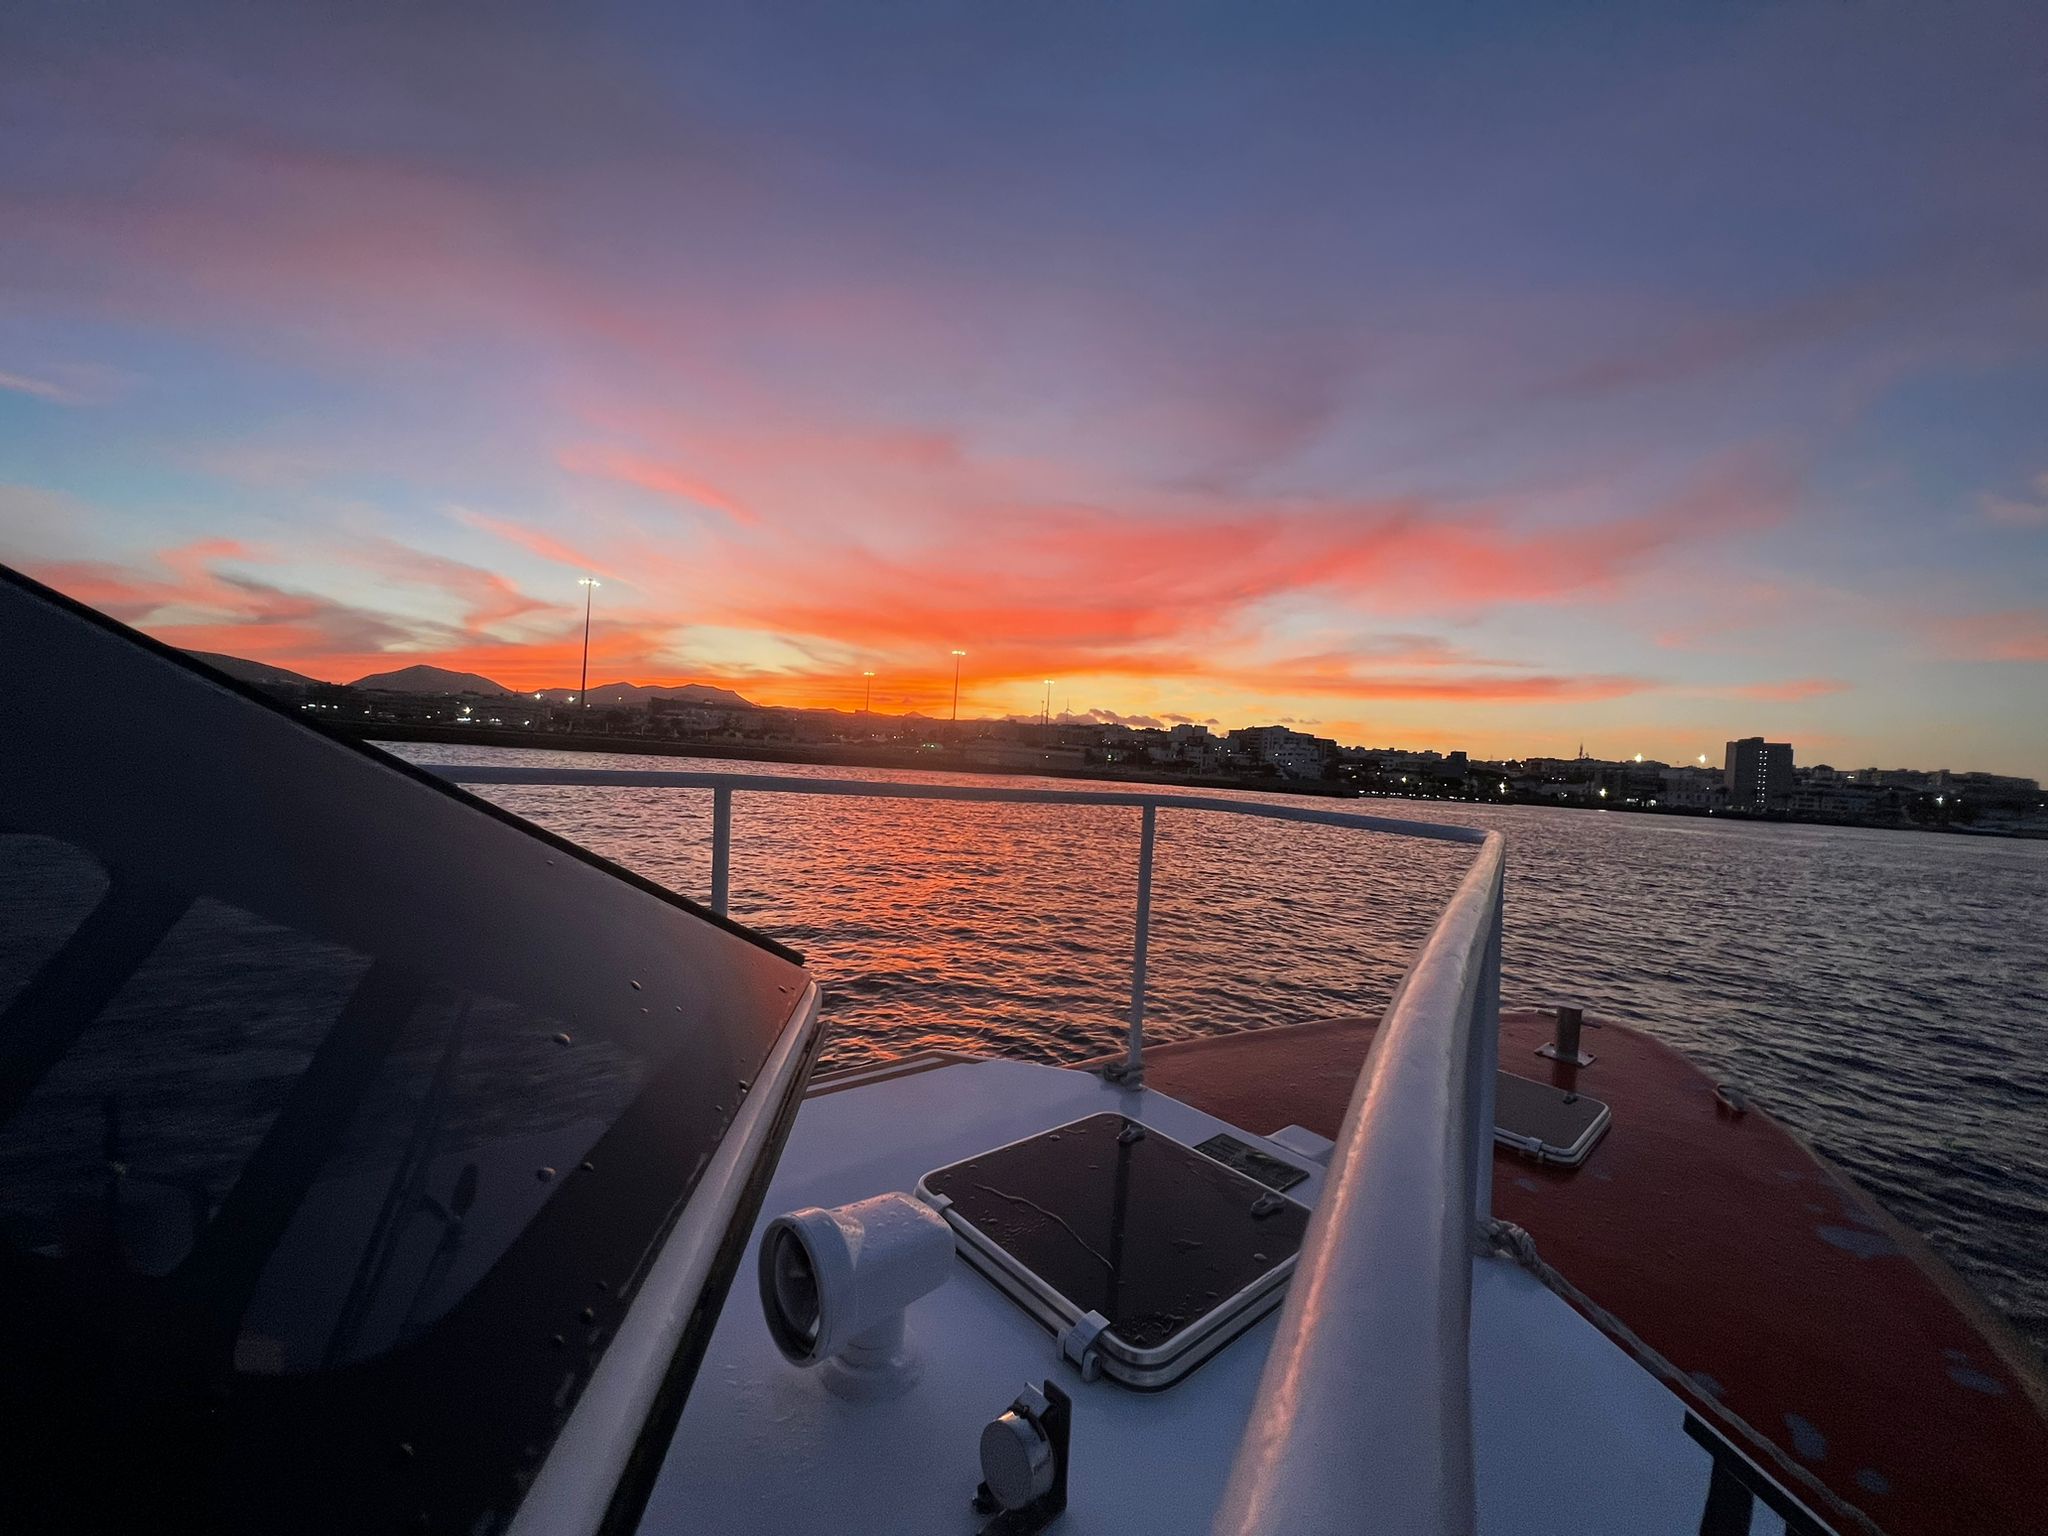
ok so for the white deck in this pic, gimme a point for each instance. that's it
(1571, 1435)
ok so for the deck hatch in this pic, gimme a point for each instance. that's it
(1552, 1125)
(1105, 1219)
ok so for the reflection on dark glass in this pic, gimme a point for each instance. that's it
(337, 1113)
(46, 890)
(462, 1137)
(1125, 1222)
(130, 1143)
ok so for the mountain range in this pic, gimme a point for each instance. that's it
(254, 671)
(420, 678)
(425, 679)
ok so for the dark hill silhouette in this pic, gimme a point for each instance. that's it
(425, 679)
(246, 671)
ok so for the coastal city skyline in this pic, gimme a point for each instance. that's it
(1412, 395)
(1750, 776)
(946, 692)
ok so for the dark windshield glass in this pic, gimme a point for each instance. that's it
(46, 890)
(340, 1118)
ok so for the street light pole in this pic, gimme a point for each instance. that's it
(956, 685)
(589, 586)
(867, 701)
(1046, 718)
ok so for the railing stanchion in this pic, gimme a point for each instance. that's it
(1133, 1073)
(721, 848)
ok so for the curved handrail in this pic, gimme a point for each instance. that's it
(1363, 1412)
(1363, 1415)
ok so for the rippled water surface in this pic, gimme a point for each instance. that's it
(1884, 993)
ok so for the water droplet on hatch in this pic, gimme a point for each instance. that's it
(634, 985)
(561, 1038)
(543, 1174)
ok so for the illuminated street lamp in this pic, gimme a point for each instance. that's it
(867, 698)
(589, 586)
(956, 685)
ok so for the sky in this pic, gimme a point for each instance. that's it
(1502, 378)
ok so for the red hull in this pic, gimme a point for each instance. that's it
(1741, 1256)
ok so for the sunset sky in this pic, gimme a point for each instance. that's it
(1457, 375)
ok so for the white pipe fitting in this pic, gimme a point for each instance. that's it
(834, 1286)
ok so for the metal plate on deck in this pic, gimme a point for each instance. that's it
(1144, 1254)
(1553, 1125)
(1250, 1161)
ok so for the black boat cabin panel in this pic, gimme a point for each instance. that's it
(340, 1115)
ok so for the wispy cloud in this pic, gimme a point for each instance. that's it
(533, 540)
(2014, 634)
(650, 475)
(1796, 690)
(2020, 512)
(43, 389)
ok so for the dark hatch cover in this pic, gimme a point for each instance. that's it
(1126, 1222)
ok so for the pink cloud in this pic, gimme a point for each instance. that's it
(651, 475)
(2013, 512)
(533, 541)
(2017, 634)
(1795, 691)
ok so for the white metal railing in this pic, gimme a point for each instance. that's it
(1363, 1415)
(723, 786)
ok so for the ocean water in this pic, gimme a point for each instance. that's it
(1883, 993)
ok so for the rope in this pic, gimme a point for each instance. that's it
(1506, 1240)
